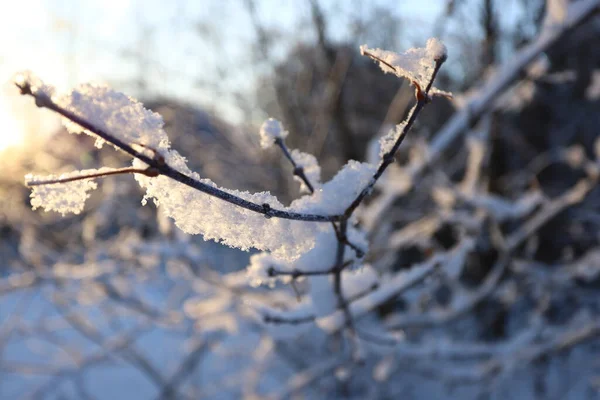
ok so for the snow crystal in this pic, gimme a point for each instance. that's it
(311, 167)
(386, 143)
(64, 198)
(114, 112)
(374, 146)
(416, 64)
(270, 130)
(441, 93)
(197, 213)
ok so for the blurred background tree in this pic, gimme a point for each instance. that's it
(168, 309)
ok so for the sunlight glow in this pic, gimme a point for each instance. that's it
(12, 133)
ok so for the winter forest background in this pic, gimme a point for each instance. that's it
(482, 275)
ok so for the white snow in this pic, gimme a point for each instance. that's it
(416, 64)
(270, 130)
(64, 198)
(195, 212)
(114, 112)
(302, 310)
(387, 141)
(260, 264)
(436, 49)
(322, 295)
(337, 194)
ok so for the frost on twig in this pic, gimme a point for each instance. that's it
(387, 141)
(306, 168)
(306, 164)
(271, 130)
(114, 112)
(416, 64)
(67, 192)
(61, 195)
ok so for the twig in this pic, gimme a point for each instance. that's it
(295, 273)
(151, 172)
(572, 196)
(388, 158)
(337, 281)
(298, 170)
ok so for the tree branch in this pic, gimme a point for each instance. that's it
(298, 170)
(388, 158)
(42, 100)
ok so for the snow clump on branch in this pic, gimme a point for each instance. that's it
(416, 64)
(271, 130)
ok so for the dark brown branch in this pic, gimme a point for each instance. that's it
(151, 172)
(42, 100)
(337, 278)
(360, 253)
(374, 57)
(298, 170)
(388, 158)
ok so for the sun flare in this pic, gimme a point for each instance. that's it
(11, 129)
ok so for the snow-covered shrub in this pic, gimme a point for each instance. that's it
(436, 280)
(316, 239)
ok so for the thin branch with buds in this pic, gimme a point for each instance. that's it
(388, 158)
(150, 172)
(298, 169)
